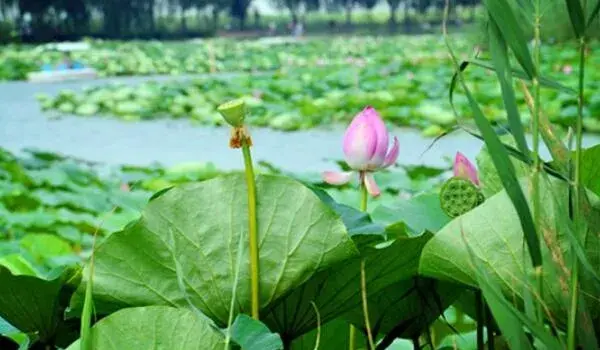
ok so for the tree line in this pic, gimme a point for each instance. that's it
(41, 20)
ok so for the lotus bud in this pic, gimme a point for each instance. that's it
(366, 149)
(463, 168)
(366, 143)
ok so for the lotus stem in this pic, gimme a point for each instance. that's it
(252, 229)
(365, 304)
(480, 319)
(363, 274)
(364, 197)
(489, 322)
(416, 343)
(364, 200)
(352, 338)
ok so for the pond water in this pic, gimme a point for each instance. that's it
(168, 142)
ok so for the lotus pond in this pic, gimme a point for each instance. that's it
(112, 58)
(501, 253)
(405, 78)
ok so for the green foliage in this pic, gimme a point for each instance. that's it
(251, 334)
(591, 171)
(181, 224)
(36, 306)
(35, 254)
(164, 270)
(490, 179)
(154, 326)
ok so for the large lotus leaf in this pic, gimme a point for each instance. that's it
(407, 308)
(184, 248)
(31, 304)
(154, 327)
(420, 213)
(590, 172)
(390, 267)
(494, 234)
(336, 291)
(490, 179)
(333, 335)
(252, 334)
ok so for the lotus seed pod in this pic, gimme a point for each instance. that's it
(458, 196)
(481, 198)
(234, 112)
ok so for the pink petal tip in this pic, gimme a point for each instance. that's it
(371, 185)
(463, 168)
(336, 178)
(392, 156)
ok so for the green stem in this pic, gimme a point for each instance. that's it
(489, 326)
(252, 230)
(364, 197)
(86, 314)
(574, 287)
(365, 304)
(352, 339)
(480, 319)
(416, 343)
(363, 276)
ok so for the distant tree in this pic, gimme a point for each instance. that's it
(239, 10)
(5, 5)
(218, 6)
(349, 5)
(77, 15)
(369, 5)
(184, 6)
(313, 5)
(393, 4)
(292, 6)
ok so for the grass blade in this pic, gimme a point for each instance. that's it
(503, 164)
(86, 313)
(499, 54)
(593, 14)
(509, 319)
(567, 228)
(547, 82)
(513, 152)
(576, 16)
(558, 150)
(85, 330)
(503, 14)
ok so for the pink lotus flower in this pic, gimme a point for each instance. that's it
(568, 69)
(366, 149)
(463, 168)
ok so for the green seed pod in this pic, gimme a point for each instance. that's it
(459, 196)
(233, 112)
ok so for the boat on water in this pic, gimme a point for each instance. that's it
(67, 69)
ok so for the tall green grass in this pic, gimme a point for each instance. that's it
(511, 25)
